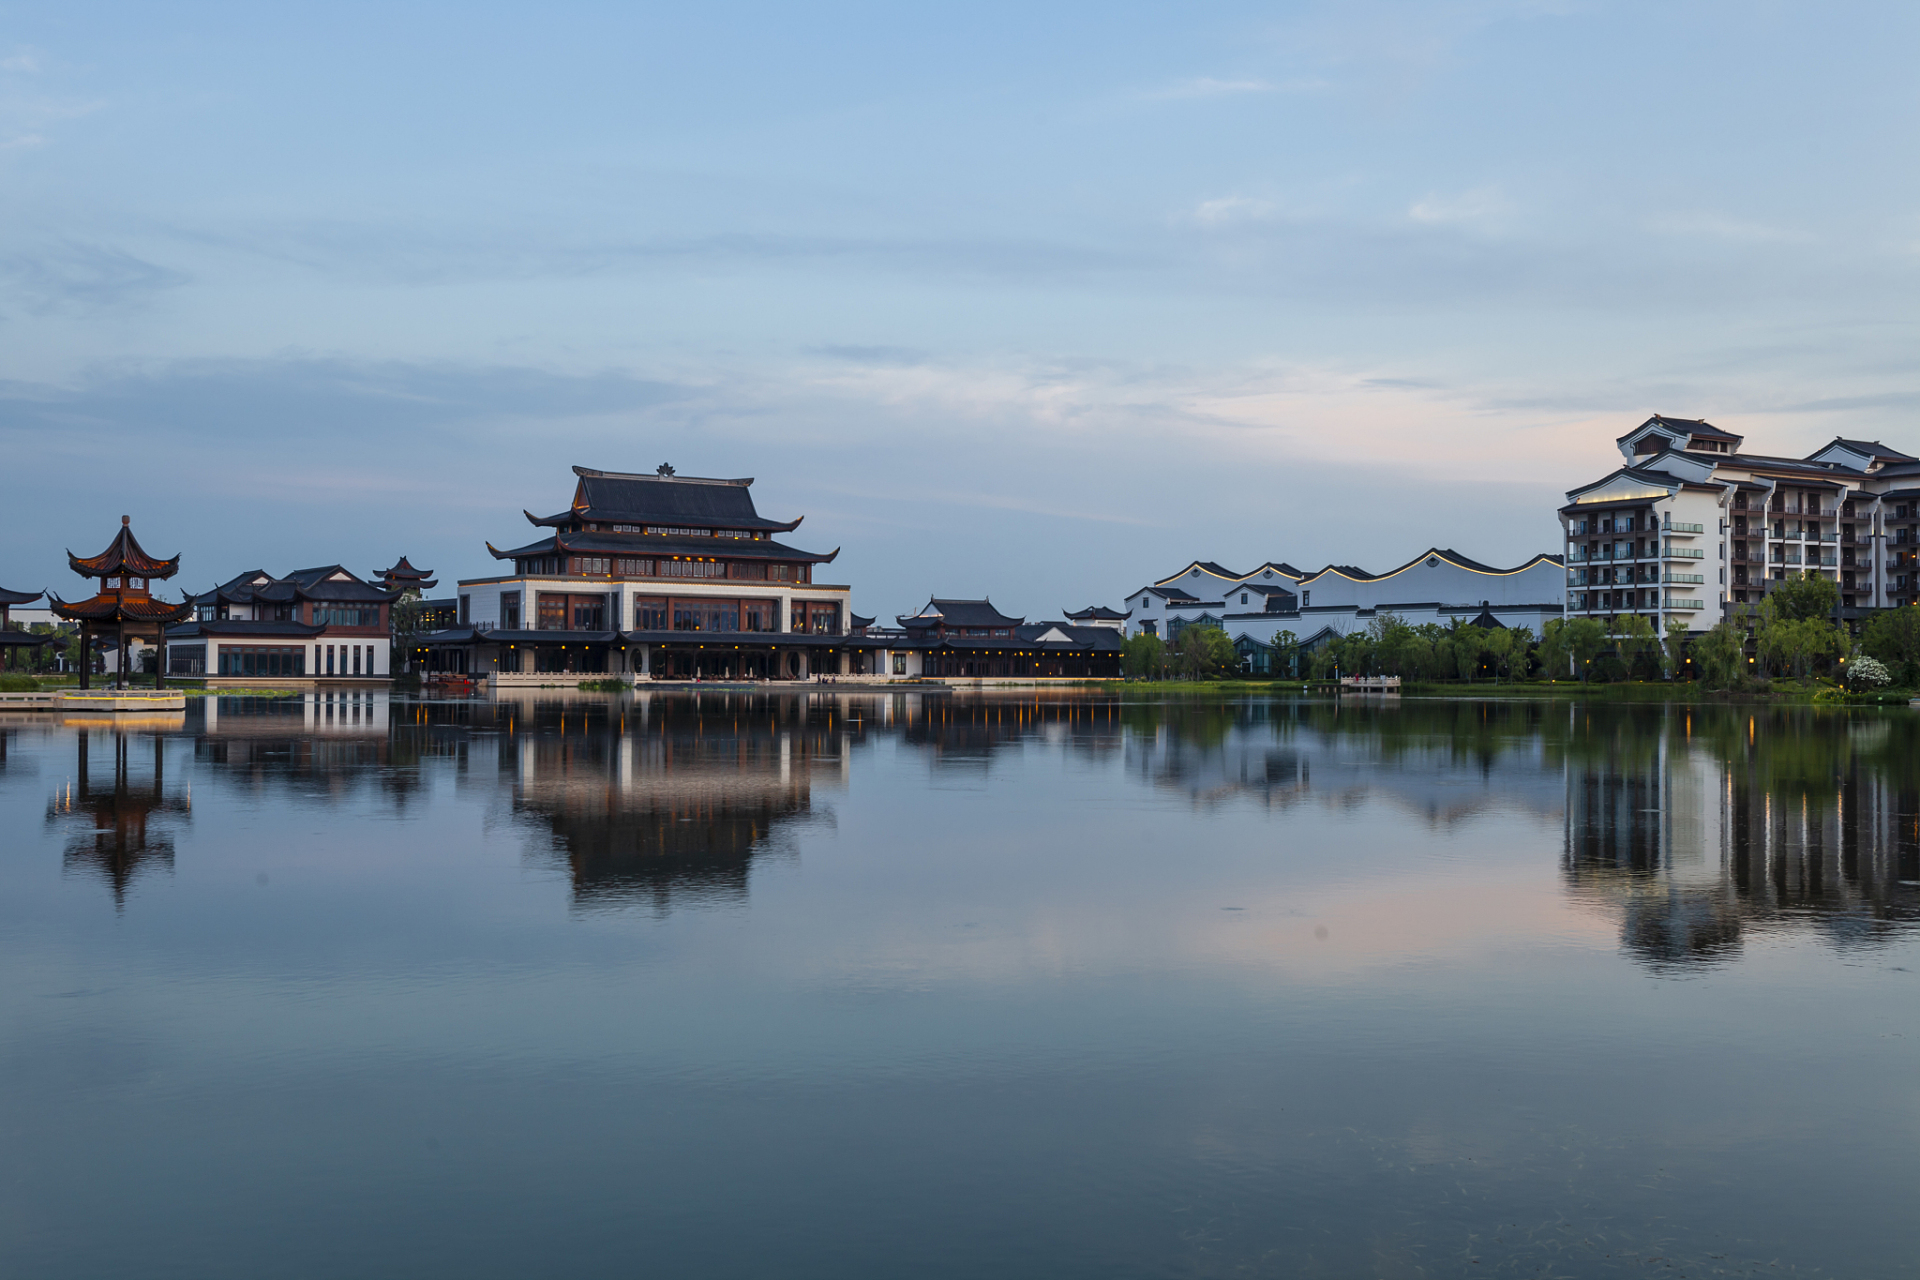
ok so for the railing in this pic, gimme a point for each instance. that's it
(1682, 553)
(1689, 605)
(1786, 555)
(1823, 537)
(1691, 579)
(1824, 559)
(1675, 526)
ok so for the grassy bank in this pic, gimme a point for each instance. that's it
(1623, 691)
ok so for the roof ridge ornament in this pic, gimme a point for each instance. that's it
(665, 469)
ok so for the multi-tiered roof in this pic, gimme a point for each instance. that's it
(126, 573)
(660, 517)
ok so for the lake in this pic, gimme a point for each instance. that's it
(825, 984)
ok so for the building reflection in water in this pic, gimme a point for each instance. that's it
(1701, 828)
(666, 800)
(118, 811)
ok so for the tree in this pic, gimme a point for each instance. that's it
(1584, 638)
(1202, 651)
(1893, 636)
(1634, 637)
(1868, 673)
(1286, 653)
(1717, 655)
(1675, 650)
(1496, 643)
(404, 620)
(1812, 595)
(1468, 641)
(1143, 656)
(1522, 643)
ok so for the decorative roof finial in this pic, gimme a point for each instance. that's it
(665, 470)
(124, 520)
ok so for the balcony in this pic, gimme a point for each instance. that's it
(1682, 553)
(1688, 606)
(1824, 559)
(1676, 526)
(1823, 537)
(1690, 579)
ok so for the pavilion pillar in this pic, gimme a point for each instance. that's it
(805, 667)
(120, 640)
(86, 655)
(160, 659)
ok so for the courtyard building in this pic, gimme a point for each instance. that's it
(324, 624)
(1276, 607)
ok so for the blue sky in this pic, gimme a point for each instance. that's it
(1040, 301)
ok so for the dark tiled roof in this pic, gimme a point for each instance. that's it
(123, 555)
(1099, 611)
(654, 547)
(1683, 426)
(960, 613)
(689, 501)
(17, 639)
(404, 575)
(18, 597)
(1869, 448)
(107, 610)
(241, 627)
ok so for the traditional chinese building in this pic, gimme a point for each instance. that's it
(403, 577)
(13, 643)
(124, 609)
(661, 575)
(319, 624)
(972, 639)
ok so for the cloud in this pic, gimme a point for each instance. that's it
(26, 61)
(1482, 204)
(1714, 226)
(1209, 87)
(1227, 210)
(75, 276)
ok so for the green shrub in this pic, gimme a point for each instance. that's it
(17, 682)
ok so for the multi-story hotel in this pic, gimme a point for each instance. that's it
(1692, 526)
(1254, 608)
(654, 574)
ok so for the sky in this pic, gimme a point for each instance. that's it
(1039, 302)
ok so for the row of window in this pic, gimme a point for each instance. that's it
(273, 660)
(645, 567)
(560, 611)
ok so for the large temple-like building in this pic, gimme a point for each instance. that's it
(654, 575)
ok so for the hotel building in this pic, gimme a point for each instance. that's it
(1692, 525)
(325, 623)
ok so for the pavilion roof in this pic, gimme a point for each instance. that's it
(662, 499)
(405, 575)
(654, 545)
(960, 613)
(106, 608)
(123, 555)
(11, 598)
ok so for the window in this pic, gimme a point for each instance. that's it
(759, 615)
(1243, 597)
(899, 664)
(692, 569)
(356, 659)
(114, 583)
(329, 659)
(594, 564)
(634, 568)
(552, 614)
(755, 572)
(188, 659)
(675, 532)
(589, 612)
(510, 610)
(1306, 599)
(257, 660)
(650, 615)
(335, 615)
(706, 615)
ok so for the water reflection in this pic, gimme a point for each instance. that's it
(669, 800)
(1700, 827)
(121, 825)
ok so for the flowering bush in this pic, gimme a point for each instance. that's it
(1866, 673)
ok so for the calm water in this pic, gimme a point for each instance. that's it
(848, 986)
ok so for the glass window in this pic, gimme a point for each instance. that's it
(650, 614)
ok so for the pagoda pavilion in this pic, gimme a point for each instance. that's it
(12, 641)
(124, 607)
(403, 577)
